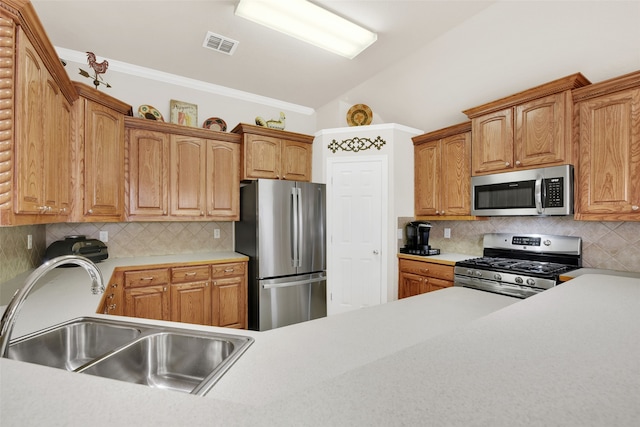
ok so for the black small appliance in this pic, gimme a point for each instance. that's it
(418, 239)
(93, 249)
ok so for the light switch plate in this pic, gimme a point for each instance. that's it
(104, 236)
(216, 233)
(447, 233)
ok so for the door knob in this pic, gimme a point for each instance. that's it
(375, 252)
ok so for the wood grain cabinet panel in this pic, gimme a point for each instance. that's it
(526, 130)
(206, 294)
(607, 130)
(274, 154)
(148, 157)
(175, 173)
(442, 173)
(418, 277)
(43, 149)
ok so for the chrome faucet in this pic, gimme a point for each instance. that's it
(11, 313)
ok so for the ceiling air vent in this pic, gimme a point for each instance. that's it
(220, 43)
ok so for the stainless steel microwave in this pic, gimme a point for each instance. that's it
(543, 191)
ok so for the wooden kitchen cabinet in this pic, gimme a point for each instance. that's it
(442, 173)
(527, 130)
(35, 178)
(99, 155)
(607, 132)
(191, 295)
(229, 300)
(175, 173)
(418, 277)
(274, 154)
(146, 294)
(207, 293)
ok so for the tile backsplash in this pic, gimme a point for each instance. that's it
(609, 245)
(125, 240)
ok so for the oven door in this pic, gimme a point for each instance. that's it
(494, 286)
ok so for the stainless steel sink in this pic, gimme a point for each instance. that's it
(71, 345)
(167, 358)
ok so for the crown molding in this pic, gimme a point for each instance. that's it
(160, 76)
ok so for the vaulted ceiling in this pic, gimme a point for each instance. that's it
(168, 36)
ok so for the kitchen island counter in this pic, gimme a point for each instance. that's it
(567, 356)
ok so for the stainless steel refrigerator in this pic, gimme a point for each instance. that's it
(282, 229)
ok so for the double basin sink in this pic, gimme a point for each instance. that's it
(167, 358)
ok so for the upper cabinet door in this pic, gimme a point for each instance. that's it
(262, 157)
(187, 188)
(148, 172)
(455, 176)
(30, 145)
(493, 142)
(296, 161)
(427, 171)
(223, 180)
(609, 167)
(541, 126)
(104, 162)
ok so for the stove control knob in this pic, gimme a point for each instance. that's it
(531, 282)
(519, 280)
(547, 242)
(469, 272)
(478, 273)
(497, 276)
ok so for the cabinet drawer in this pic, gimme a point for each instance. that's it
(133, 279)
(227, 270)
(430, 269)
(196, 273)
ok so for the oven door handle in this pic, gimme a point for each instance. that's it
(538, 195)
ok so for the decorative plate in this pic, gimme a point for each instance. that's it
(359, 115)
(149, 112)
(215, 123)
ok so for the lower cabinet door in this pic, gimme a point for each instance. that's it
(191, 303)
(149, 302)
(229, 303)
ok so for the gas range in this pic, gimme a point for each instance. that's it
(520, 265)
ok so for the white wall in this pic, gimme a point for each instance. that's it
(508, 47)
(136, 90)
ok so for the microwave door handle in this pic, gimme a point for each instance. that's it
(538, 195)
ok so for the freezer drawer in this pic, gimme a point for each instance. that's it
(289, 300)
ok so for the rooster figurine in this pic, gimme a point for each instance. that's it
(98, 68)
(273, 124)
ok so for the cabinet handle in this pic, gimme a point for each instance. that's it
(634, 208)
(111, 296)
(424, 270)
(112, 307)
(147, 278)
(191, 273)
(229, 270)
(115, 285)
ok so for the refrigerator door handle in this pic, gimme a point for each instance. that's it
(295, 217)
(300, 226)
(296, 283)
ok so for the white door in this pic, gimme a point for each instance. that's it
(356, 220)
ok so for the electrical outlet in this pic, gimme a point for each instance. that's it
(216, 233)
(104, 236)
(447, 233)
(29, 241)
(399, 234)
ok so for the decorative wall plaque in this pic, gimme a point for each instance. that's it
(356, 144)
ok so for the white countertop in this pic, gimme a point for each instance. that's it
(568, 356)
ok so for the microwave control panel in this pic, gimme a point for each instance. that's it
(554, 194)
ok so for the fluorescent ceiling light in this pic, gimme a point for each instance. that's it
(310, 23)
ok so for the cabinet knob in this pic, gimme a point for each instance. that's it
(90, 211)
(518, 163)
(635, 207)
(376, 252)
(164, 212)
(201, 213)
(507, 164)
(441, 212)
(112, 307)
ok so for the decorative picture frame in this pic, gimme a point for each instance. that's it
(184, 113)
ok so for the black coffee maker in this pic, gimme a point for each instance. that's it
(418, 239)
